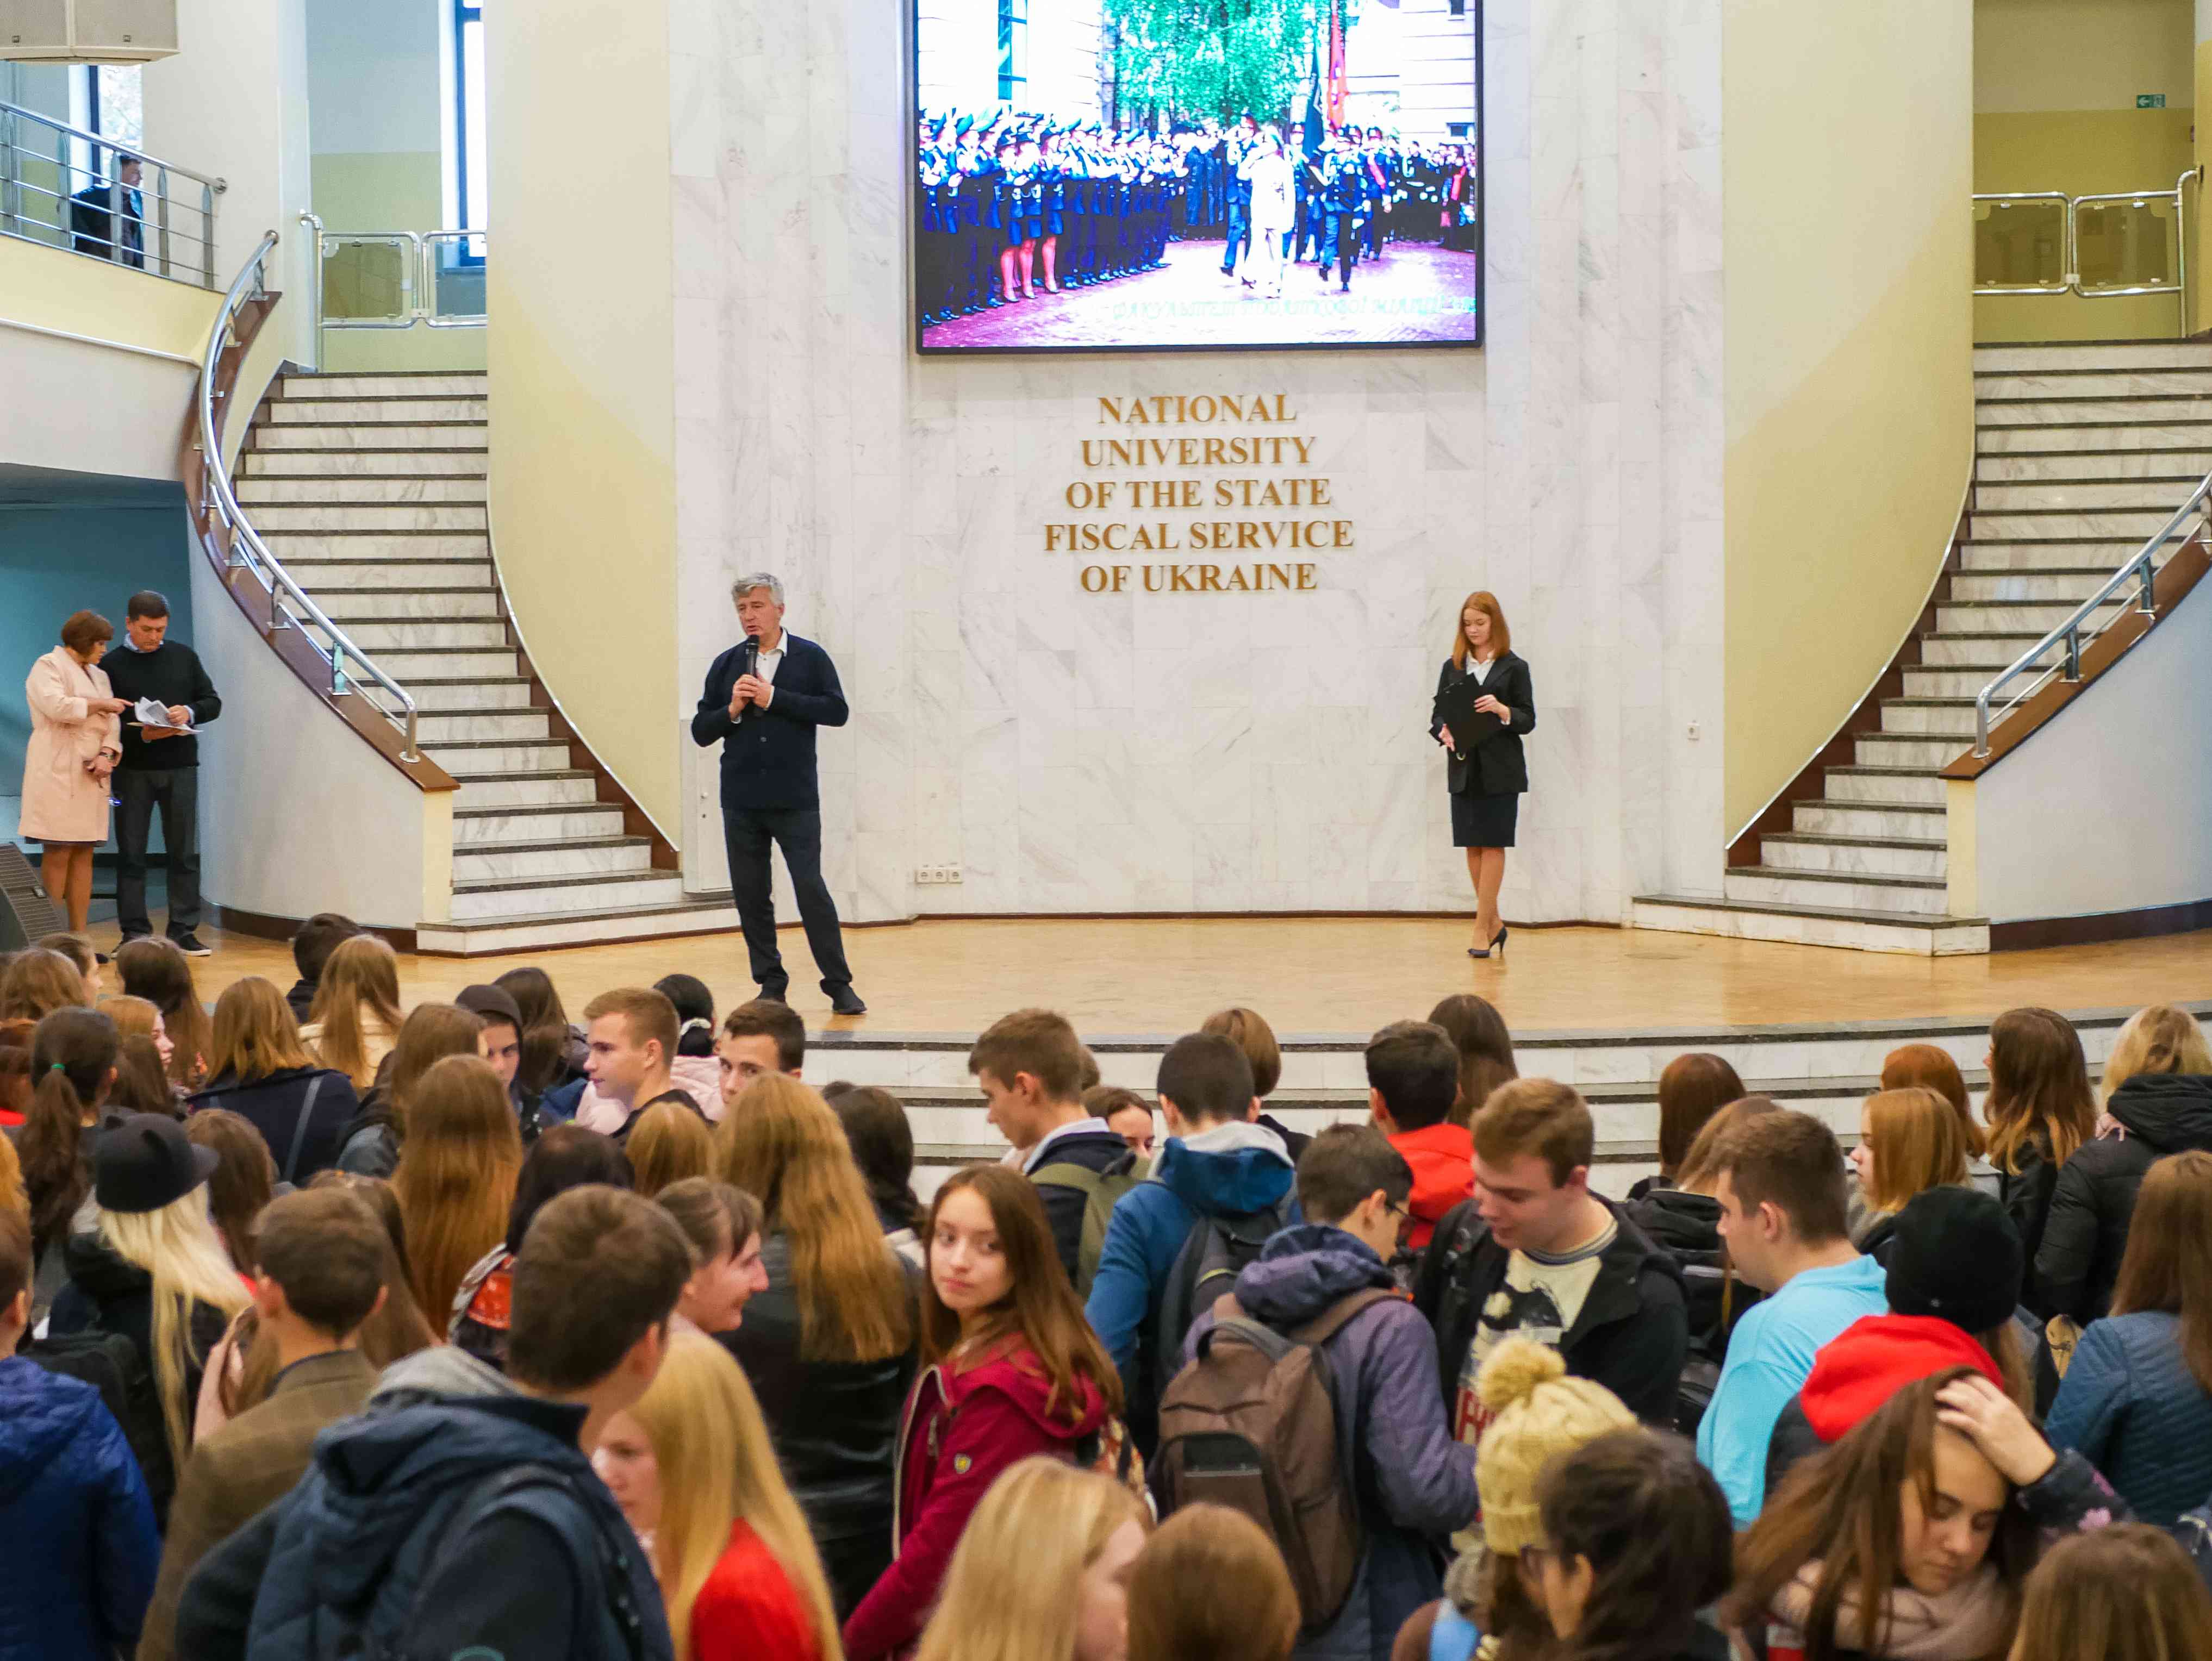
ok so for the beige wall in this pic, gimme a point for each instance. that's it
(1848, 330)
(2035, 55)
(581, 353)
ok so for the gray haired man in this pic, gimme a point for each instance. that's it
(763, 699)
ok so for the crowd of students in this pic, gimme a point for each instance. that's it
(463, 1330)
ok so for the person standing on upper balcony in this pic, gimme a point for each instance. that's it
(764, 698)
(93, 226)
(74, 749)
(160, 768)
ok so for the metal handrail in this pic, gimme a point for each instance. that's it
(2142, 567)
(108, 142)
(2065, 284)
(218, 493)
(418, 281)
(2070, 207)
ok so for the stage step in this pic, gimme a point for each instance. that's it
(1865, 930)
(1798, 851)
(608, 924)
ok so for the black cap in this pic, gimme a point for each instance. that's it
(144, 1162)
(491, 1004)
(1955, 1255)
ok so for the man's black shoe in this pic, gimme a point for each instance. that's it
(772, 994)
(846, 1001)
(190, 945)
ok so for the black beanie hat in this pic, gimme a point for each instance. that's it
(1955, 1255)
(144, 1162)
(491, 1005)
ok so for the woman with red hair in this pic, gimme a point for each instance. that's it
(1487, 773)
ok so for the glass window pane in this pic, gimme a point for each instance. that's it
(476, 202)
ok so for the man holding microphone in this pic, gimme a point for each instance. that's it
(763, 699)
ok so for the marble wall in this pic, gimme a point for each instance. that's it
(1173, 752)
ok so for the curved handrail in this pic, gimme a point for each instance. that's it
(2142, 567)
(216, 485)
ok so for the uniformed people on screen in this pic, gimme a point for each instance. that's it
(1487, 777)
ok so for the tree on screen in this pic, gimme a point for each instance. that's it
(1190, 59)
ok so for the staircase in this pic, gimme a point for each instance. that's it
(2082, 455)
(370, 489)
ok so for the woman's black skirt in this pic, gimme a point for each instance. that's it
(1484, 822)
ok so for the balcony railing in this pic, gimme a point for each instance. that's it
(164, 224)
(2103, 246)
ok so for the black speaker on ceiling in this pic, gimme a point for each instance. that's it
(25, 912)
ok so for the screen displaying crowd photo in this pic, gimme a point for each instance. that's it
(1104, 174)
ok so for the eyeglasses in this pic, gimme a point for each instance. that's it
(1404, 1216)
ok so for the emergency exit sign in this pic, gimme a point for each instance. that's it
(2150, 100)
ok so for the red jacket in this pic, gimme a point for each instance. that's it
(960, 1430)
(749, 1611)
(1442, 1158)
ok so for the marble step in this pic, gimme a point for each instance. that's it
(481, 788)
(2063, 585)
(1890, 821)
(415, 546)
(434, 696)
(369, 516)
(1949, 718)
(1885, 750)
(1966, 647)
(483, 938)
(1865, 930)
(2017, 617)
(479, 902)
(450, 662)
(1866, 856)
(531, 862)
(2084, 381)
(380, 411)
(347, 604)
(2184, 467)
(476, 827)
(2106, 554)
(473, 755)
(441, 383)
(338, 572)
(380, 635)
(347, 489)
(2102, 354)
(2151, 495)
(255, 464)
(1832, 891)
(2082, 412)
(352, 435)
(1965, 682)
(2118, 524)
(1882, 786)
(484, 726)
(2084, 433)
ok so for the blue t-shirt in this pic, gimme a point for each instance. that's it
(1769, 1356)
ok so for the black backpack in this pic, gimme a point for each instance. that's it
(111, 1364)
(1213, 1254)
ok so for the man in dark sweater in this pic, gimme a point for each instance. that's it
(763, 699)
(160, 768)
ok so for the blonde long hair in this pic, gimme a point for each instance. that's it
(361, 980)
(780, 1142)
(178, 1247)
(668, 1144)
(255, 1034)
(2157, 1039)
(718, 1467)
(1053, 1520)
(456, 1176)
(1919, 1142)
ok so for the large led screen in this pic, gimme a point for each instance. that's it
(1154, 175)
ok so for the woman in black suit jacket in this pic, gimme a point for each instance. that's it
(1487, 781)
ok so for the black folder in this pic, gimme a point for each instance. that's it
(1454, 708)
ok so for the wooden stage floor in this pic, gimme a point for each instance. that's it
(1327, 976)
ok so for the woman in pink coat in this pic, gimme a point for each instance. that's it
(76, 741)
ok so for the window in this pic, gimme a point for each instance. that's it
(1013, 50)
(471, 155)
(1458, 8)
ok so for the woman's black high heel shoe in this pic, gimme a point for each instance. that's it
(1497, 946)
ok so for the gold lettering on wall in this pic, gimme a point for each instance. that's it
(1135, 468)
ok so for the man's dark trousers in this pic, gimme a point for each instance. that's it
(176, 792)
(748, 834)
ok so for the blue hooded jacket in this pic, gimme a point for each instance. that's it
(1412, 1479)
(81, 1551)
(1229, 1170)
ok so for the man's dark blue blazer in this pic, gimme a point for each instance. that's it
(767, 760)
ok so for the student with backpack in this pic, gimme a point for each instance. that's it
(80, 1549)
(451, 1524)
(1220, 1187)
(1317, 1378)
(1010, 1370)
(1029, 1067)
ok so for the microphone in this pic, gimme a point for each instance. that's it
(748, 663)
